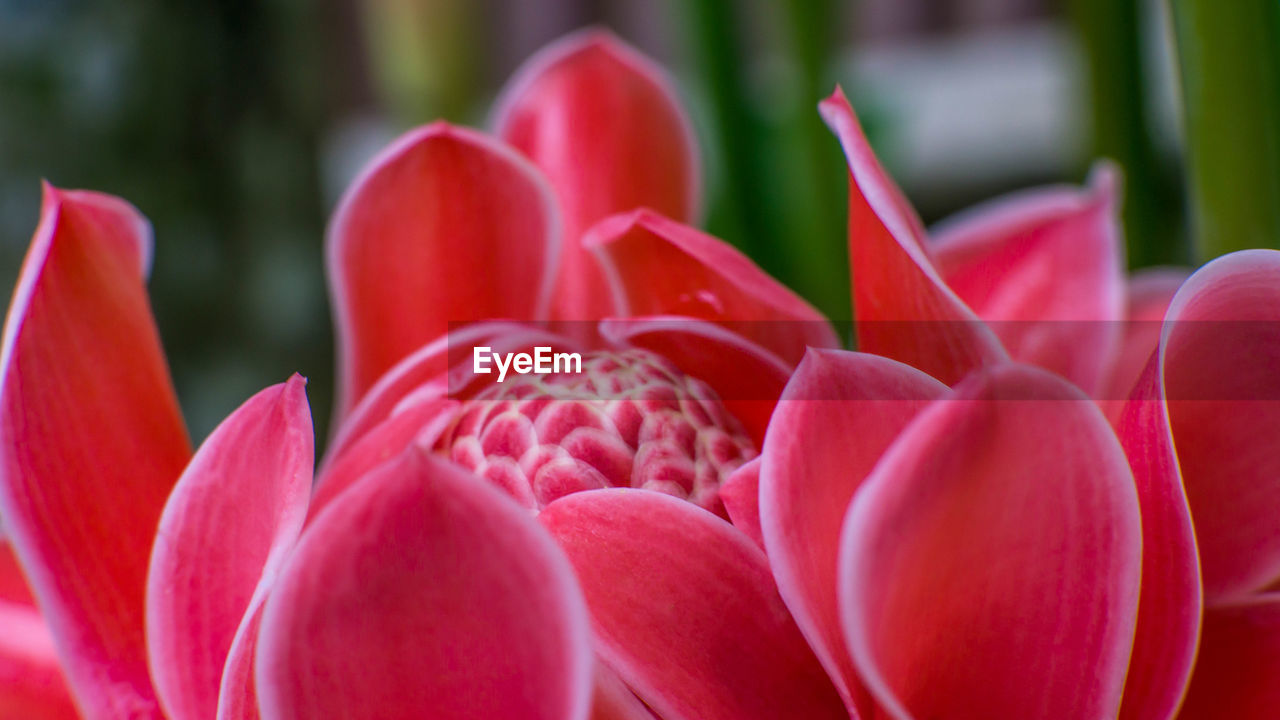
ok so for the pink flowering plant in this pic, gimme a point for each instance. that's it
(1040, 488)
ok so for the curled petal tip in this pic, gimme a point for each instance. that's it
(902, 306)
(837, 96)
(229, 522)
(1106, 180)
(48, 194)
(658, 266)
(84, 473)
(615, 226)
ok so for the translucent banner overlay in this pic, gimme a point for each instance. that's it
(591, 357)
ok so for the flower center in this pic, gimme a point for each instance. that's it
(629, 419)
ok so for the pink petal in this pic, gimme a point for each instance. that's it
(1239, 662)
(425, 593)
(839, 413)
(31, 682)
(990, 563)
(740, 493)
(1149, 293)
(903, 308)
(685, 610)
(445, 226)
(231, 520)
(1171, 600)
(427, 371)
(747, 377)
(613, 700)
(1043, 267)
(91, 441)
(605, 125)
(13, 584)
(420, 425)
(661, 267)
(1220, 351)
(237, 692)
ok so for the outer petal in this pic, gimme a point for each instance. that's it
(31, 682)
(740, 493)
(605, 125)
(839, 413)
(685, 610)
(231, 520)
(1149, 293)
(1171, 601)
(1044, 268)
(903, 308)
(1220, 351)
(91, 441)
(1239, 661)
(424, 593)
(990, 564)
(747, 377)
(661, 267)
(446, 226)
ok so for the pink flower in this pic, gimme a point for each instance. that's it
(993, 548)
(170, 620)
(982, 544)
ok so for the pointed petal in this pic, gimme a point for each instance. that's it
(685, 611)
(903, 308)
(1220, 350)
(424, 591)
(427, 372)
(91, 441)
(231, 520)
(31, 682)
(990, 563)
(1149, 292)
(1239, 661)
(1043, 267)
(740, 493)
(237, 692)
(420, 424)
(1171, 602)
(747, 378)
(810, 471)
(412, 248)
(605, 125)
(661, 267)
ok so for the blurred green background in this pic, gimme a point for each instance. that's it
(234, 125)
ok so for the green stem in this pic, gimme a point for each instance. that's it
(739, 212)
(1229, 54)
(1111, 33)
(816, 222)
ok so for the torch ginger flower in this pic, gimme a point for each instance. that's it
(938, 529)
